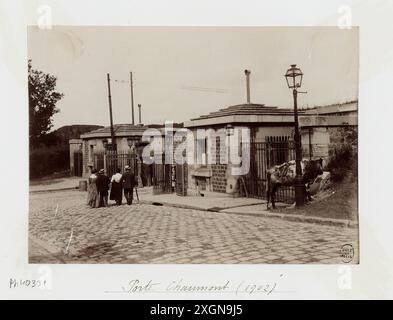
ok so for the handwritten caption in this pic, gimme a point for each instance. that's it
(136, 286)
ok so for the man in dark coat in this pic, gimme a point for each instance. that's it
(128, 180)
(103, 183)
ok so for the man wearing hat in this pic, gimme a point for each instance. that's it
(128, 180)
(103, 183)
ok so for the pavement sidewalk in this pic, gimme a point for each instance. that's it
(58, 184)
(210, 201)
(219, 202)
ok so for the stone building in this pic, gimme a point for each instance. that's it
(321, 128)
(98, 141)
(324, 127)
(263, 123)
(94, 143)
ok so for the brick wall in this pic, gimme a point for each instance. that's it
(219, 180)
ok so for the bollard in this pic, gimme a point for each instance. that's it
(82, 185)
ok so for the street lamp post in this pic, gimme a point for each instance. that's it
(294, 77)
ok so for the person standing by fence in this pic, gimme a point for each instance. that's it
(128, 180)
(103, 188)
(117, 187)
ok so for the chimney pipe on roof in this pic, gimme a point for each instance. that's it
(247, 73)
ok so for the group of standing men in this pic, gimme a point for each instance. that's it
(100, 185)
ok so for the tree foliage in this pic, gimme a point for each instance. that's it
(42, 104)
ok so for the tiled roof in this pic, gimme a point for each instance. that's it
(247, 109)
(120, 129)
(124, 130)
(349, 106)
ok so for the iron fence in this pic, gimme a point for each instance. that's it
(111, 160)
(263, 156)
(162, 177)
(77, 169)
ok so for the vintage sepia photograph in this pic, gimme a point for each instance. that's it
(193, 145)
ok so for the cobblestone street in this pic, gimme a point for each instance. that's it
(144, 233)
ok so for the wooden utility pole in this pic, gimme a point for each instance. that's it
(132, 98)
(110, 113)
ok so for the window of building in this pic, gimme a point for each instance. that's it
(201, 151)
(91, 153)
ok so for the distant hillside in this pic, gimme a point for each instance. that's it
(53, 153)
(66, 133)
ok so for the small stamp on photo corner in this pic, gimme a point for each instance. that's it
(347, 253)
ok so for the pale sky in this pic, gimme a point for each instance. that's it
(183, 72)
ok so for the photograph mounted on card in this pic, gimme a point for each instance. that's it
(193, 145)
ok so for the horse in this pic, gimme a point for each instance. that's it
(284, 175)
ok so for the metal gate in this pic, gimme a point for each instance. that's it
(181, 179)
(119, 160)
(78, 164)
(162, 177)
(263, 156)
(111, 160)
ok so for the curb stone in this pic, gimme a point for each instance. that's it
(304, 219)
(174, 205)
(53, 190)
(288, 217)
